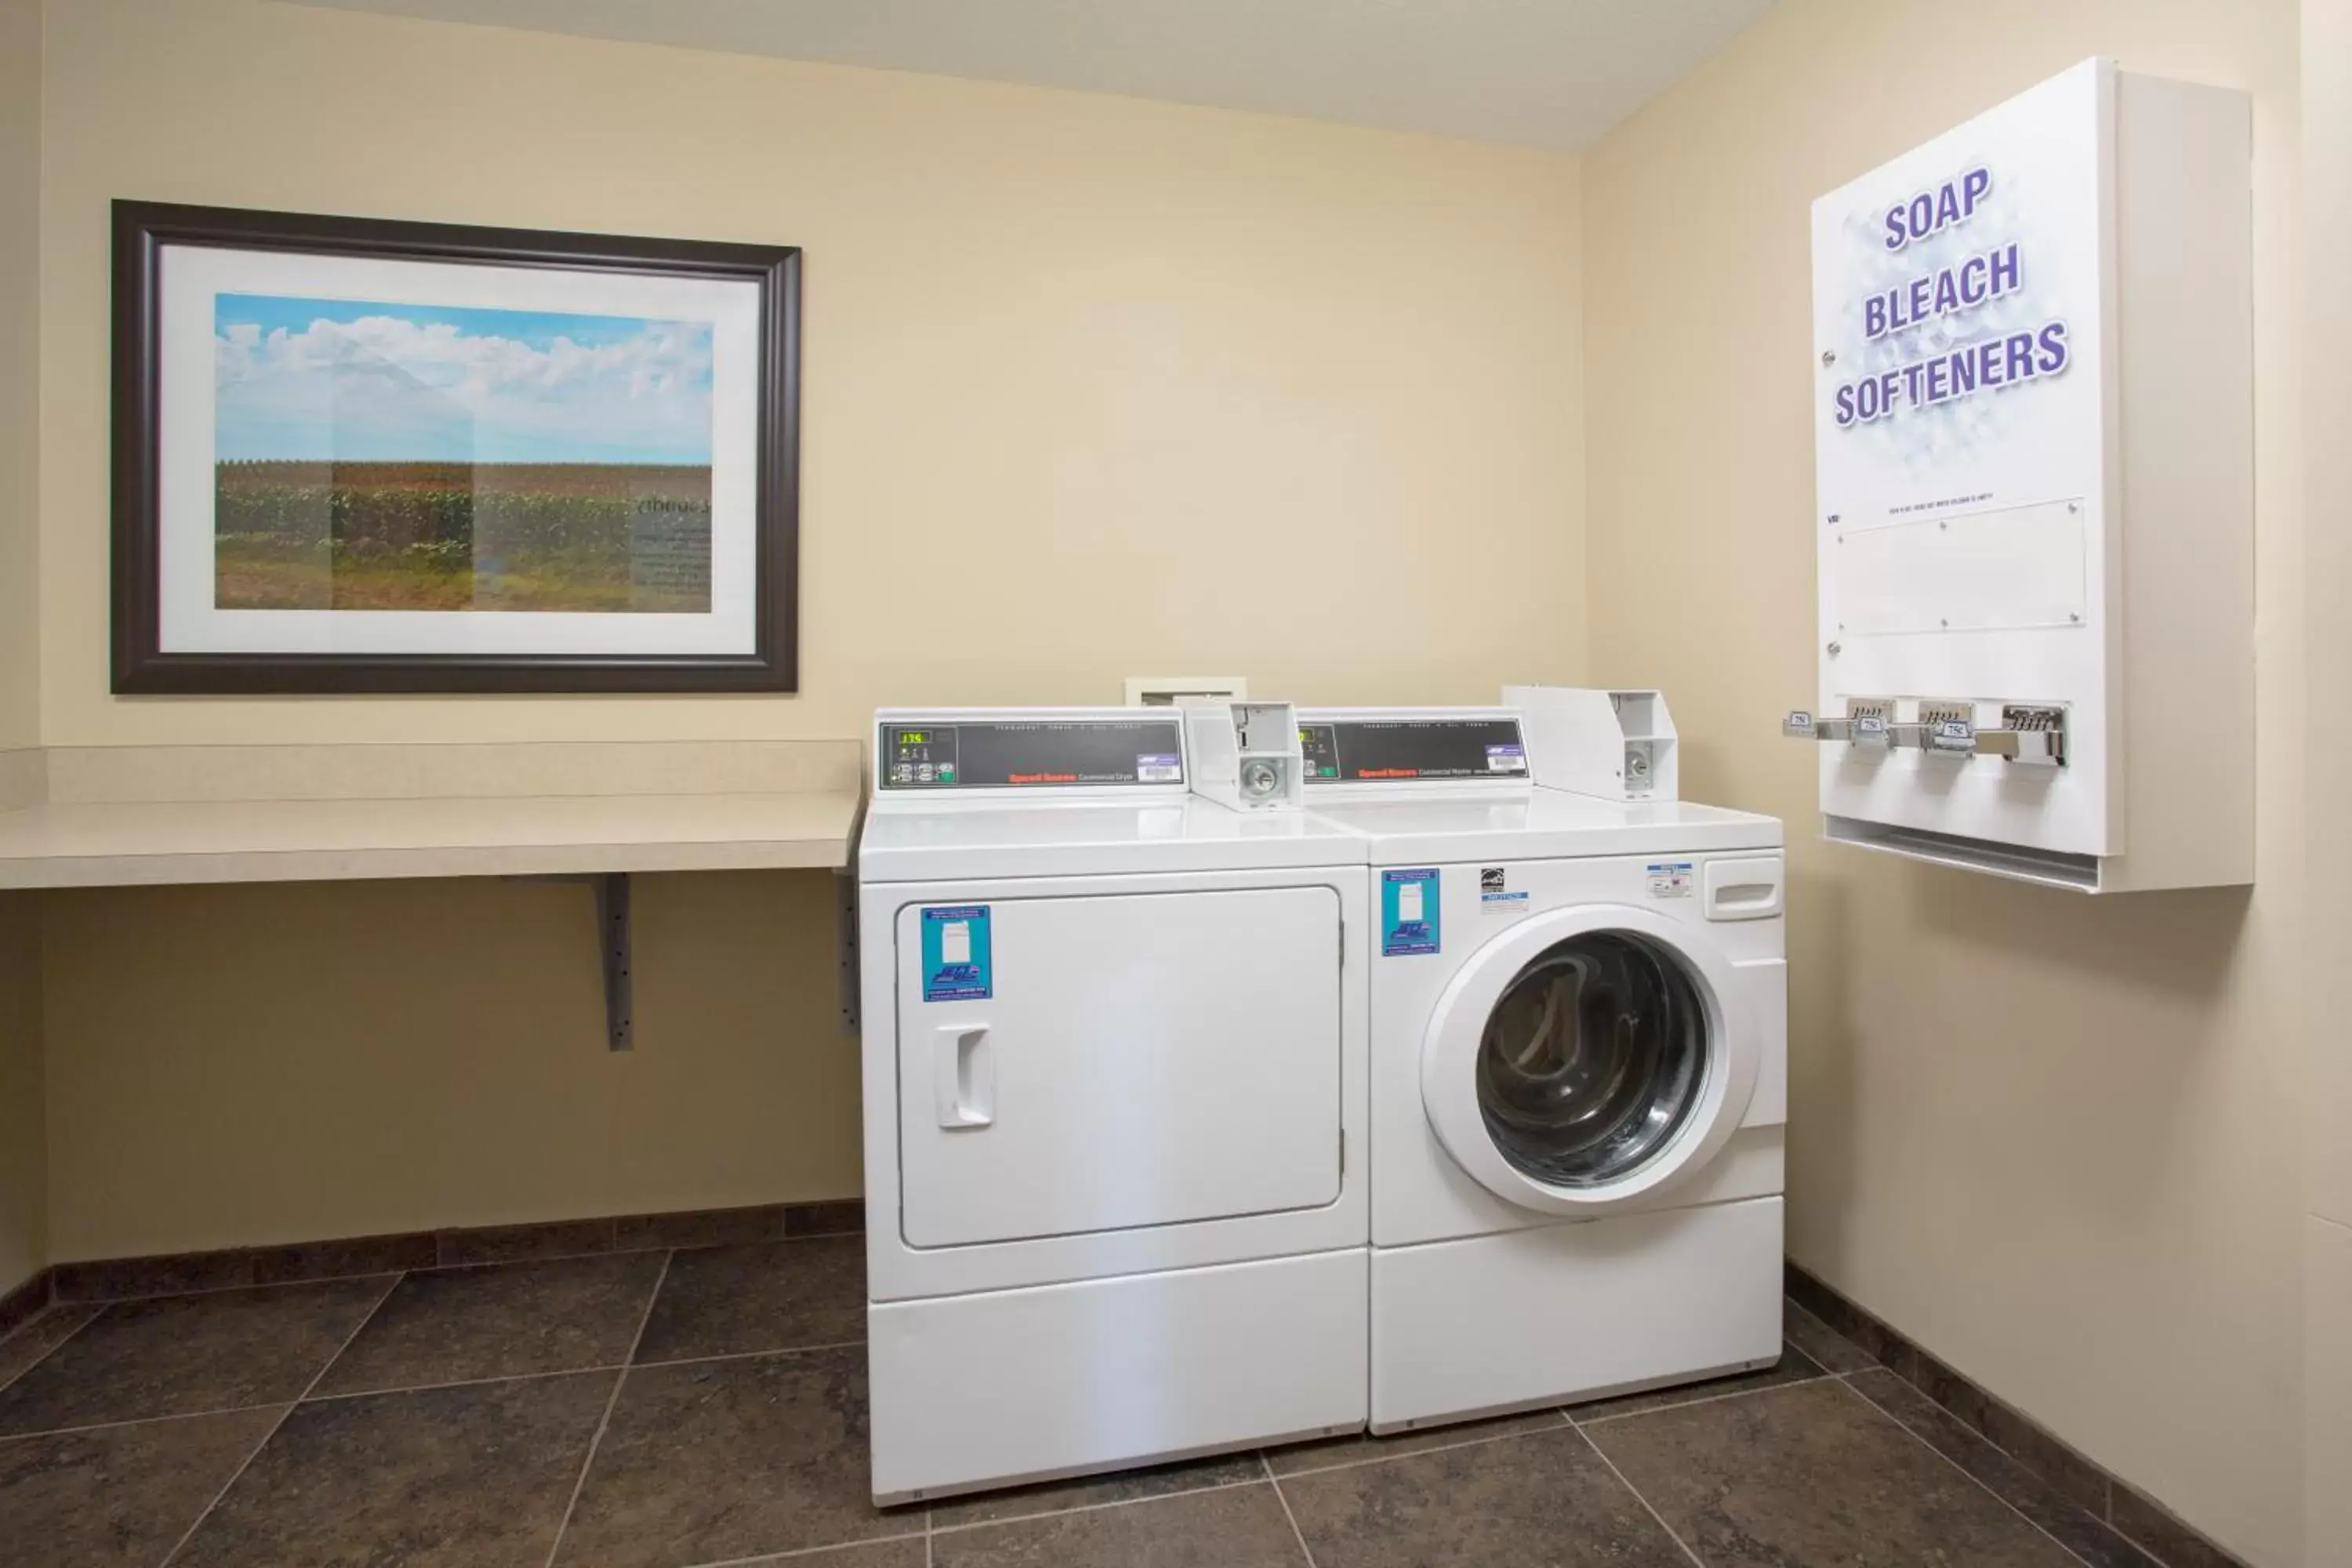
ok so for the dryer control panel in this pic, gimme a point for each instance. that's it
(922, 755)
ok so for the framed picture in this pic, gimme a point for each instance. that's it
(361, 456)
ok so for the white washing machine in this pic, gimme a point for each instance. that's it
(1116, 1104)
(1579, 1072)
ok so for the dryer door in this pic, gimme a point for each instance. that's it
(1118, 1061)
(1589, 1058)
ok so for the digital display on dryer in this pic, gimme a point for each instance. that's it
(1039, 755)
(1319, 744)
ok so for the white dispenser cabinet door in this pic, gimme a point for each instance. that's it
(1141, 1059)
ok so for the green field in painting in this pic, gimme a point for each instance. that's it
(614, 537)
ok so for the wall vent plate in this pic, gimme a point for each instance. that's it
(1168, 690)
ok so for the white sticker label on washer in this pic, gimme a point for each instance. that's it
(1409, 901)
(955, 943)
(1670, 878)
(1495, 894)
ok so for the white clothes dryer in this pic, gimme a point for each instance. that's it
(1579, 1047)
(1115, 1103)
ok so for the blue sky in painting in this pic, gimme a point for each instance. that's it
(372, 381)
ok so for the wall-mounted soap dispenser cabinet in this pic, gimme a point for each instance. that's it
(2033, 401)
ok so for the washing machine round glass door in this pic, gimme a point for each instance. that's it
(1589, 1058)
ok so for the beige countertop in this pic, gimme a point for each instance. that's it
(316, 840)
(101, 835)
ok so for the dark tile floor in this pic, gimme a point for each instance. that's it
(708, 1406)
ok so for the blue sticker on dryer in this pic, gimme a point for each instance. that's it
(1409, 920)
(956, 966)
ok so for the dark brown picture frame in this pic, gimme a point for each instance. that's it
(142, 232)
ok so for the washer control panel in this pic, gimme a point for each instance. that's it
(1402, 750)
(1046, 753)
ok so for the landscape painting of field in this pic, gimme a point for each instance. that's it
(372, 456)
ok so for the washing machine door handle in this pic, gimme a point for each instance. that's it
(1452, 1043)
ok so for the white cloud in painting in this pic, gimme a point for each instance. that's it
(396, 383)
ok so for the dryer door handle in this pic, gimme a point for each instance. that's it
(963, 1076)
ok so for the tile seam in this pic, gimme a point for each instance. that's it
(2107, 1479)
(247, 1255)
(43, 1284)
(1647, 1506)
(244, 1285)
(343, 1395)
(1581, 1422)
(1086, 1506)
(280, 1425)
(804, 1551)
(1411, 1454)
(1295, 1534)
(22, 1372)
(747, 1355)
(316, 1398)
(1919, 1437)
(612, 1402)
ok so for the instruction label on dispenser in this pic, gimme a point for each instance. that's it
(1670, 878)
(1409, 919)
(956, 966)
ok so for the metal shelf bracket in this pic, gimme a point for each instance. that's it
(613, 950)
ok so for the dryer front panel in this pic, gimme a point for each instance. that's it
(1078, 1065)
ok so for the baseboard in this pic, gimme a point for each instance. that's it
(114, 1279)
(2133, 1514)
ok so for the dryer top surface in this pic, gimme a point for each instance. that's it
(1065, 839)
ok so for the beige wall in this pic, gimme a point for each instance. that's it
(1068, 358)
(20, 255)
(2327, 176)
(2053, 1139)
(1094, 387)
(24, 1145)
(23, 1186)
(232, 1065)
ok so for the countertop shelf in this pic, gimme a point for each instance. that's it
(101, 835)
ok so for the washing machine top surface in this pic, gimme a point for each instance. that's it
(1452, 783)
(970, 794)
(1542, 824)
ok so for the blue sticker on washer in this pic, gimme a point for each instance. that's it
(1408, 912)
(955, 954)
